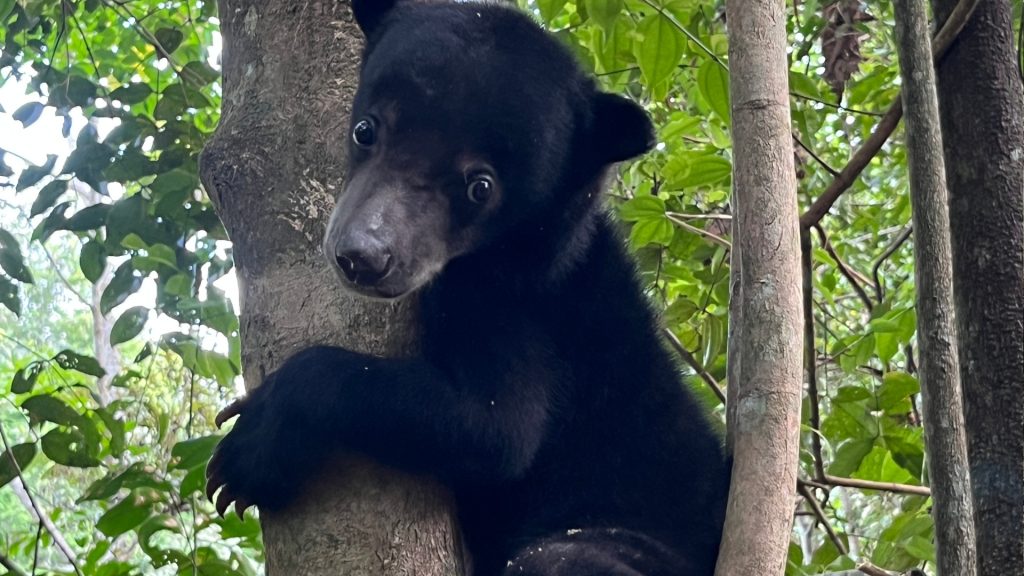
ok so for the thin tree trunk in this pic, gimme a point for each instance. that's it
(766, 409)
(272, 169)
(981, 103)
(936, 327)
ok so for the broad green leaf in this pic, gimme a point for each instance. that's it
(644, 207)
(169, 38)
(70, 360)
(69, 449)
(33, 174)
(92, 260)
(851, 394)
(604, 12)
(713, 82)
(189, 454)
(9, 295)
(652, 231)
(88, 218)
(23, 454)
(124, 516)
(122, 285)
(25, 378)
(48, 196)
(128, 325)
(132, 93)
(28, 113)
(6, 6)
(895, 387)
(849, 456)
(659, 51)
(548, 8)
(45, 407)
(694, 169)
(13, 263)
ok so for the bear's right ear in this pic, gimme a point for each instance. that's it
(621, 130)
(370, 13)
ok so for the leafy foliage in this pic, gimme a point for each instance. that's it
(119, 337)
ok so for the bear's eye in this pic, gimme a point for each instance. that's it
(364, 133)
(479, 188)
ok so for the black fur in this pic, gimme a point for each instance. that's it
(544, 396)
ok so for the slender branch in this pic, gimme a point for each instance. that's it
(692, 362)
(816, 158)
(685, 216)
(881, 486)
(886, 126)
(11, 566)
(805, 491)
(58, 539)
(889, 251)
(64, 280)
(709, 235)
(810, 359)
(844, 268)
(836, 106)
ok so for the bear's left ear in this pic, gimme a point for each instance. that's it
(622, 129)
(370, 13)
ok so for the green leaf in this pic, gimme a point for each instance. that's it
(88, 218)
(33, 174)
(124, 516)
(70, 360)
(849, 456)
(23, 454)
(851, 394)
(194, 452)
(13, 263)
(132, 93)
(604, 12)
(6, 6)
(653, 231)
(123, 284)
(135, 476)
(713, 83)
(25, 378)
(883, 325)
(92, 260)
(169, 38)
(28, 113)
(644, 207)
(548, 8)
(48, 196)
(128, 325)
(9, 295)
(659, 52)
(694, 169)
(69, 449)
(48, 408)
(896, 386)
(886, 344)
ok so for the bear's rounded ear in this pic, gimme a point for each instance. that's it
(622, 129)
(370, 13)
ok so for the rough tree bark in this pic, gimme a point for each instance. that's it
(982, 109)
(938, 366)
(272, 169)
(766, 409)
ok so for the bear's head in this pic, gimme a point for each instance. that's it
(472, 130)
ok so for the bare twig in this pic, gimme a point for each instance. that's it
(836, 106)
(58, 539)
(881, 486)
(700, 231)
(810, 359)
(694, 364)
(889, 251)
(11, 566)
(816, 158)
(805, 491)
(844, 269)
(886, 126)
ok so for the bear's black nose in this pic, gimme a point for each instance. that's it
(364, 263)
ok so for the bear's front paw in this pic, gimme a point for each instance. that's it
(263, 459)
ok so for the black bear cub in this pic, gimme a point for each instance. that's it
(543, 395)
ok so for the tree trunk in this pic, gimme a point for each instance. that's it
(765, 431)
(272, 169)
(982, 109)
(936, 328)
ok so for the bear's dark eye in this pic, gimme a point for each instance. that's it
(479, 188)
(364, 133)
